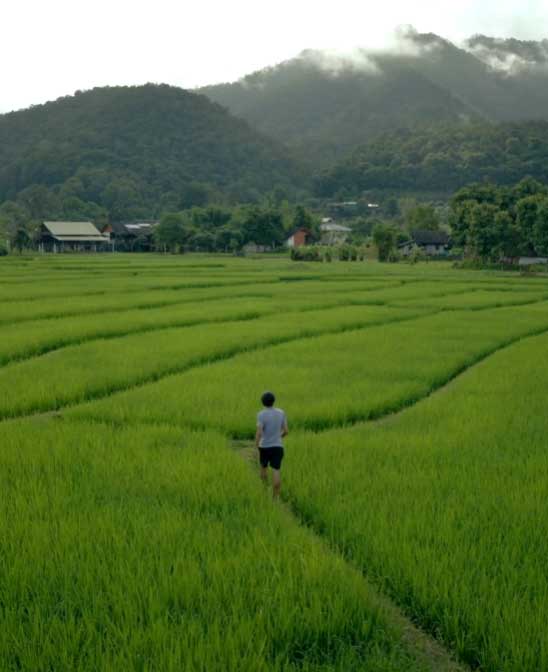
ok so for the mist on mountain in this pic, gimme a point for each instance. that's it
(324, 104)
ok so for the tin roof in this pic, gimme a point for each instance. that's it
(424, 237)
(72, 229)
(328, 226)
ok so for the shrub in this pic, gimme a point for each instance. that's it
(344, 253)
(307, 253)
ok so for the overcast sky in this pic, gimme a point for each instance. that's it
(50, 48)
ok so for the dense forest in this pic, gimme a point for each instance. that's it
(441, 158)
(493, 223)
(323, 114)
(123, 153)
(324, 105)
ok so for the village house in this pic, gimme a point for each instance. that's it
(524, 262)
(72, 237)
(532, 261)
(131, 237)
(253, 248)
(332, 233)
(298, 238)
(431, 243)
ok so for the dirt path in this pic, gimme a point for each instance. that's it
(428, 651)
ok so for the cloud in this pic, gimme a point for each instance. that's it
(336, 61)
(198, 43)
(509, 56)
(404, 41)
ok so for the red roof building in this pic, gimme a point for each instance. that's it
(298, 238)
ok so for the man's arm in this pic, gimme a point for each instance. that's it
(285, 430)
(258, 436)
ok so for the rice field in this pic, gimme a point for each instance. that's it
(135, 534)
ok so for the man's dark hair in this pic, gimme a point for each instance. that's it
(268, 399)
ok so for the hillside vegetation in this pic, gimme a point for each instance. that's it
(324, 104)
(323, 114)
(442, 158)
(130, 152)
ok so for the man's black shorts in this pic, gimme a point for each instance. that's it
(272, 456)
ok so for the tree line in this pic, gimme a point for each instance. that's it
(493, 222)
(224, 229)
(440, 158)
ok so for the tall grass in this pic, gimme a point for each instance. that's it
(31, 337)
(446, 506)
(133, 537)
(156, 550)
(26, 310)
(329, 380)
(81, 372)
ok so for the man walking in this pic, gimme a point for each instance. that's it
(271, 428)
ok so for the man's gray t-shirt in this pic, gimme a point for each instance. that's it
(272, 422)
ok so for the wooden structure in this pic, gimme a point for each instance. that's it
(298, 238)
(253, 248)
(332, 233)
(132, 236)
(431, 243)
(72, 237)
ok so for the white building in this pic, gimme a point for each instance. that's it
(333, 234)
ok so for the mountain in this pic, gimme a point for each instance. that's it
(442, 159)
(324, 105)
(129, 152)
(509, 55)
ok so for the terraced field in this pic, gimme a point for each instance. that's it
(135, 534)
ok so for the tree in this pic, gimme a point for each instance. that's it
(506, 235)
(40, 202)
(528, 186)
(527, 210)
(21, 240)
(169, 234)
(422, 217)
(261, 226)
(227, 238)
(540, 229)
(13, 216)
(303, 219)
(203, 241)
(483, 232)
(211, 218)
(363, 226)
(384, 236)
(123, 198)
(195, 194)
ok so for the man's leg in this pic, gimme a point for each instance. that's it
(264, 469)
(276, 482)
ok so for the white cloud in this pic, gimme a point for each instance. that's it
(52, 48)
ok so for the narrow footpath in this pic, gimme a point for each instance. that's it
(428, 651)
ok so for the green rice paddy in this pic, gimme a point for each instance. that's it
(135, 534)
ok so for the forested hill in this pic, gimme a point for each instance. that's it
(442, 158)
(130, 152)
(324, 109)
(326, 105)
